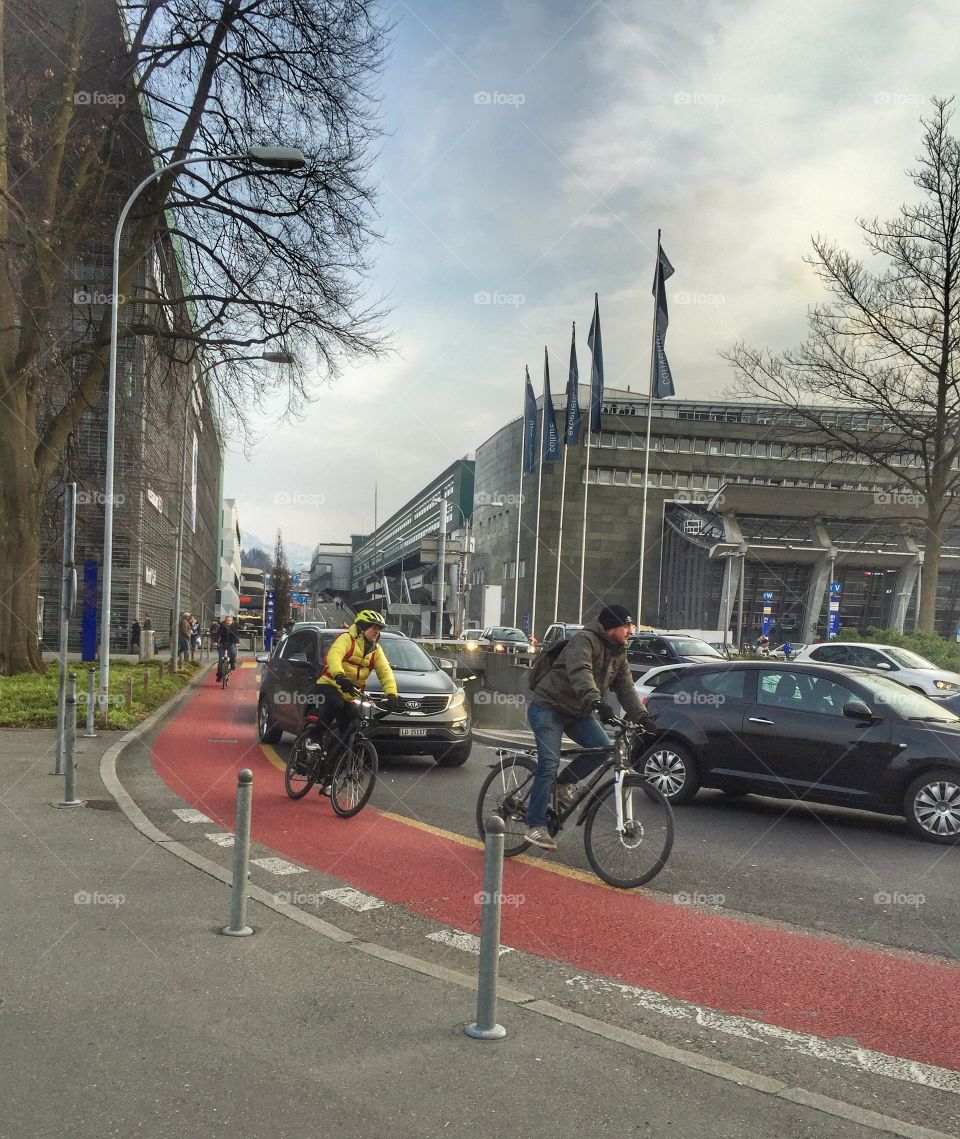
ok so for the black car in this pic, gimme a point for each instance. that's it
(644, 650)
(815, 732)
(437, 717)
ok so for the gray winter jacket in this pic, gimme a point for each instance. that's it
(591, 664)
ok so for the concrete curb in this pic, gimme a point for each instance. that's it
(765, 1085)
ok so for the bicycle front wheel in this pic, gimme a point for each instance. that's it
(637, 852)
(353, 779)
(505, 792)
(300, 773)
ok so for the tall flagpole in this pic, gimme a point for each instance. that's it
(646, 453)
(563, 490)
(523, 440)
(536, 539)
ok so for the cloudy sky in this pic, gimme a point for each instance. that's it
(533, 151)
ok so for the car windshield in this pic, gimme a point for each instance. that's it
(406, 656)
(508, 634)
(907, 659)
(907, 703)
(689, 646)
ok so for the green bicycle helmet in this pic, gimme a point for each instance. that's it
(367, 617)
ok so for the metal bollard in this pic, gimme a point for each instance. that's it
(69, 739)
(241, 858)
(91, 684)
(485, 1027)
(129, 693)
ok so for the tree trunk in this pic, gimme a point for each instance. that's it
(930, 576)
(19, 550)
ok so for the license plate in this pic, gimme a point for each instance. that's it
(413, 731)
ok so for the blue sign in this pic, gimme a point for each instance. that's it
(767, 596)
(833, 610)
(268, 622)
(88, 635)
(836, 587)
(300, 598)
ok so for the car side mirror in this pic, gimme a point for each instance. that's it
(262, 658)
(884, 664)
(445, 664)
(856, 710)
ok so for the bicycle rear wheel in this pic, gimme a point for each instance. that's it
(300, 774)
(354, 778)
(504, 792)
(639, 852)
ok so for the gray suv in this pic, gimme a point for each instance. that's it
(437, 717)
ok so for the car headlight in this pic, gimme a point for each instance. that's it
(498, 648)
(531, 648)
(945, 686)
(472, 646)
(457, 700)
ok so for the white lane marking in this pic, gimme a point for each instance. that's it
(457, 939)
(864, 1059)
(353, 899)
(189, 815)
(221, 838)
(278, 866)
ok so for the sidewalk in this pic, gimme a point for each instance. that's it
(124, 1011)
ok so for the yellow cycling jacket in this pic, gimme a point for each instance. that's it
(352, 656)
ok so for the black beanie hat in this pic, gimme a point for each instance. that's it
(613, 615)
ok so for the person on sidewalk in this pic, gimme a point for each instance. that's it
(185, 633)
(565, 700)
(135, 636)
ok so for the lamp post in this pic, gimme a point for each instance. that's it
(268, 357)
(442, 551)
(273, 157)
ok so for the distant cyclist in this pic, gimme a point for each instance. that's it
(350, 660)
(227, 641)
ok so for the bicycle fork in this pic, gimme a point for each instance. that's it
(624, 817)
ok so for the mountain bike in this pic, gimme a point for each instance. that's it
(628, 824)
(345, 764)
(226, 667)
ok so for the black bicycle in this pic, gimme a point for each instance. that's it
(226, 667)
(344, 764)
(628, 824)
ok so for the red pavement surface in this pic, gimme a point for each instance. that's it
(793, 980)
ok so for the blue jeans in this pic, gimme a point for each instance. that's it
(548, 728)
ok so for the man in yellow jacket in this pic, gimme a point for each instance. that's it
(350, 660)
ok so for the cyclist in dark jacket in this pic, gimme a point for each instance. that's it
(227, 642)
(594, 661)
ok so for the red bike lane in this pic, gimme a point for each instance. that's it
(797, 981)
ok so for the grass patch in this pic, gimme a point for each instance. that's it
(30, 699)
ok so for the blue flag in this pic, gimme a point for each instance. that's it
(662, 380)
(529, 428)
(551, 436)
(571, 432)
(596, 368)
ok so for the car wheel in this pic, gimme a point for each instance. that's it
(267, 730)
(932, 806)
(671, 770)
(454, 756)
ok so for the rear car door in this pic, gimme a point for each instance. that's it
(296, 674)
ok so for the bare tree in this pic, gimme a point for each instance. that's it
(280, 583)
(94, 95)
(888, 342)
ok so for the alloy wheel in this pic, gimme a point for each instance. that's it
(937, 807)
(666, 771)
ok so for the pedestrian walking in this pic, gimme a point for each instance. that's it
(135, 636)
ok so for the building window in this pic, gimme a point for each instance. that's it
(697, 482)
(713, 447)
(730, 447)
(699, 446)
(604, 476)
(523, 567)
(713, 482)
(620, 478)
(685, 445)
(669, 443)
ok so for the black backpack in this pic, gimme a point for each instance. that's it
(544, 661)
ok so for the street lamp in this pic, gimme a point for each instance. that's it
(268, 357)
(281, 158)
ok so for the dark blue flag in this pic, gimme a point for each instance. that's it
(662, 378)
(529, 428)
(551, 436)
(571, 432)
(596, 368)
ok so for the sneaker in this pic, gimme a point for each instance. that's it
(540, 836)
(566, 795)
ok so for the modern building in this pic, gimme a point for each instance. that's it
(331, 568)
(253, 600)
(734, 491)
(228, 591)
(395, 567)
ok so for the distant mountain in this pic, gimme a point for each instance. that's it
(298, 557)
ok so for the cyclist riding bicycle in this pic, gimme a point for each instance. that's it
(227, 641)
(350, 660)
(564, 700)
